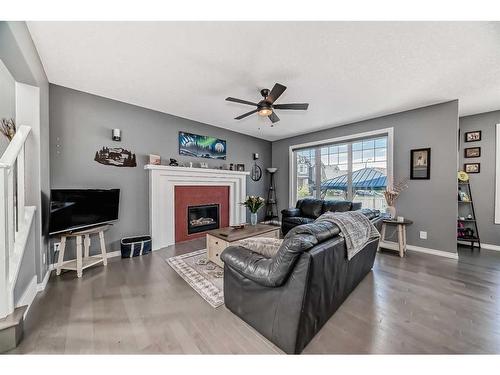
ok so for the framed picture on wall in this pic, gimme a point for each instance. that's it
(420, 164)
(472, 152)
(472, 167)
(473, 136)
(201, 146)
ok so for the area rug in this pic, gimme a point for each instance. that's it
(205, 277)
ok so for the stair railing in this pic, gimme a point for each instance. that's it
(13, 231)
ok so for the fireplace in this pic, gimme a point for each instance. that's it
(202, 218)
(198, 209)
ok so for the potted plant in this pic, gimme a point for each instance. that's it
(391, 194)
(253, 204)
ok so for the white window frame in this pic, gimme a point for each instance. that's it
(389, 132)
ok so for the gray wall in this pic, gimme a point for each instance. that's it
(483, 183)
(81, 124)
(18, 53)
(431, 204)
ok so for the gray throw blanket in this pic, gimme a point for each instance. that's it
(355, 227)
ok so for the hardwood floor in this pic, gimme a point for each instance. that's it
(418, 304)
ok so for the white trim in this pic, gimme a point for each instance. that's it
(486, 246)
(497, 175)
(28, 295)
(41, 286)
(162, 182)
(372, 133)
(425, 250)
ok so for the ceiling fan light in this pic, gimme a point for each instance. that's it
(265, 111)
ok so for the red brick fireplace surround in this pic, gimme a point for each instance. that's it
(186, 196)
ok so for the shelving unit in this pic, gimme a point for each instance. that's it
(468, 208)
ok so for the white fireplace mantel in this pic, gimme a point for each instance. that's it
(162, 181)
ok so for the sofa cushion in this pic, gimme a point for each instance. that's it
(267, 247)
(310, 207)
(298, 220)
(337, 206)
(370, 213)
(320, 230)
(291, 212)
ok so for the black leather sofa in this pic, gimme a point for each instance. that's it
(289, 297)
(307, 210)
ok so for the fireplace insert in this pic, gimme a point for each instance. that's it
(202, 218)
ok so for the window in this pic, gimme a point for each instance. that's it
(350, 170)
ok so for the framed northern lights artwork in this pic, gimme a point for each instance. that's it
(201, 146)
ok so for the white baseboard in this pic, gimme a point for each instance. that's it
(425, 250)
(486, 246)
(41, 286)
(28, 295)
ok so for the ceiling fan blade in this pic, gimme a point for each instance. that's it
(273, 117)
(241, 101)
(246, 114)
(275, 93)
(301, 106)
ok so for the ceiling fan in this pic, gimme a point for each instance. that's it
(266, 106)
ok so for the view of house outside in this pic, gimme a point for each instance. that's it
(365, 182)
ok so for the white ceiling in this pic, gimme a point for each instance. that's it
(347, 71)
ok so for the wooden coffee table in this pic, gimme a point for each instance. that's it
(219, 239)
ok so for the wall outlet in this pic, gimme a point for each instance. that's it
(57, 246)
(423, 235)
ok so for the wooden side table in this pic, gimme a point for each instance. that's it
(399, 246)
(85, 261)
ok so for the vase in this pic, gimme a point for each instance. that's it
(391, 211)
(253, 218)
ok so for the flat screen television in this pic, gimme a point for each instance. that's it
(75, 209)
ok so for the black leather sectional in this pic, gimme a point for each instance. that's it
(289, 297)
(307, 210)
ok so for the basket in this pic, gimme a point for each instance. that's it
(135, 246)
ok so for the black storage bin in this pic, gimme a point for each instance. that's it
(135, 246)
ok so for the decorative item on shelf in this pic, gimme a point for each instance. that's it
(173, 163)
(392, 194)
(472, 167)
(116, 135)
(473, 136)
(472, 152)
(463, 196)
(467, 226)
(154, 159)
(256, 171)
(116, 157)
(254, 204)
(203, 165)
(272, 202)
(231, 167)
(420, 164)
(8, 128)
(240, 167)
(201, 146)
(400, 219)
(462, 176)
